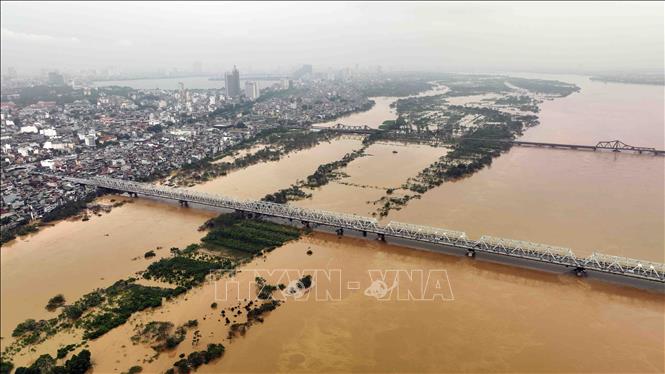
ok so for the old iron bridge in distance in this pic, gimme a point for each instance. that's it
(610, 145)
(622, 266)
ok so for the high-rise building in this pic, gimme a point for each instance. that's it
(90, 140)
(232, 83)
(252, 90)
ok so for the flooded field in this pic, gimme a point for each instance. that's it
(75, 257)
(386, 166)
(258, 180)
(381, 111)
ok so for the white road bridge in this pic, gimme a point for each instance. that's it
(543, 253)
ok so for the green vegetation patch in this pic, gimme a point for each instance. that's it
(55, 302)
(124, 298)
(161, 336)
(231, 231)
(185, 270)
(46, 364)
(96, 313)
(197, 358)
(6, 367)
(11, 234)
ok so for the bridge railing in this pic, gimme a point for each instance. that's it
(621, 265)
(427, 233)
(520, 248)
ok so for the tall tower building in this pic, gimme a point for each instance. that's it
(252, 90)
(232, 83)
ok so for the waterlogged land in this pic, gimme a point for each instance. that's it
(74, 257)
(382, 109)
(278, 143)
(100, 311)
(383, 170)
(497, 309)
(264, 178)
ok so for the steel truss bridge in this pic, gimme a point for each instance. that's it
(542, 253)
(611, 145)
(349, 129)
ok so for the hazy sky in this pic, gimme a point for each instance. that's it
(262, 35)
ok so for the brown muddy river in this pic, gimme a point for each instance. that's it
(612, 203)
(495, 317)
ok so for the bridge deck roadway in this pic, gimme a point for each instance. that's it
(621, 266)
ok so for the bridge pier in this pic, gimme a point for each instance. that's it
(183, 203)
(340, 231)
(471, 253)
(364, 233)
(381, 237)
(580, 271)
(305, 223)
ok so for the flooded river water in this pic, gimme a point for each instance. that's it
(612, 203)
(496, 318)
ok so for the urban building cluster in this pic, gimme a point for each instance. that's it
(140, 134)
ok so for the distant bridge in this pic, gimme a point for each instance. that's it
(611, 145)
(348, 129)
(542, 253)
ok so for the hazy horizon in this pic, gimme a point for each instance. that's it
(562, 37)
